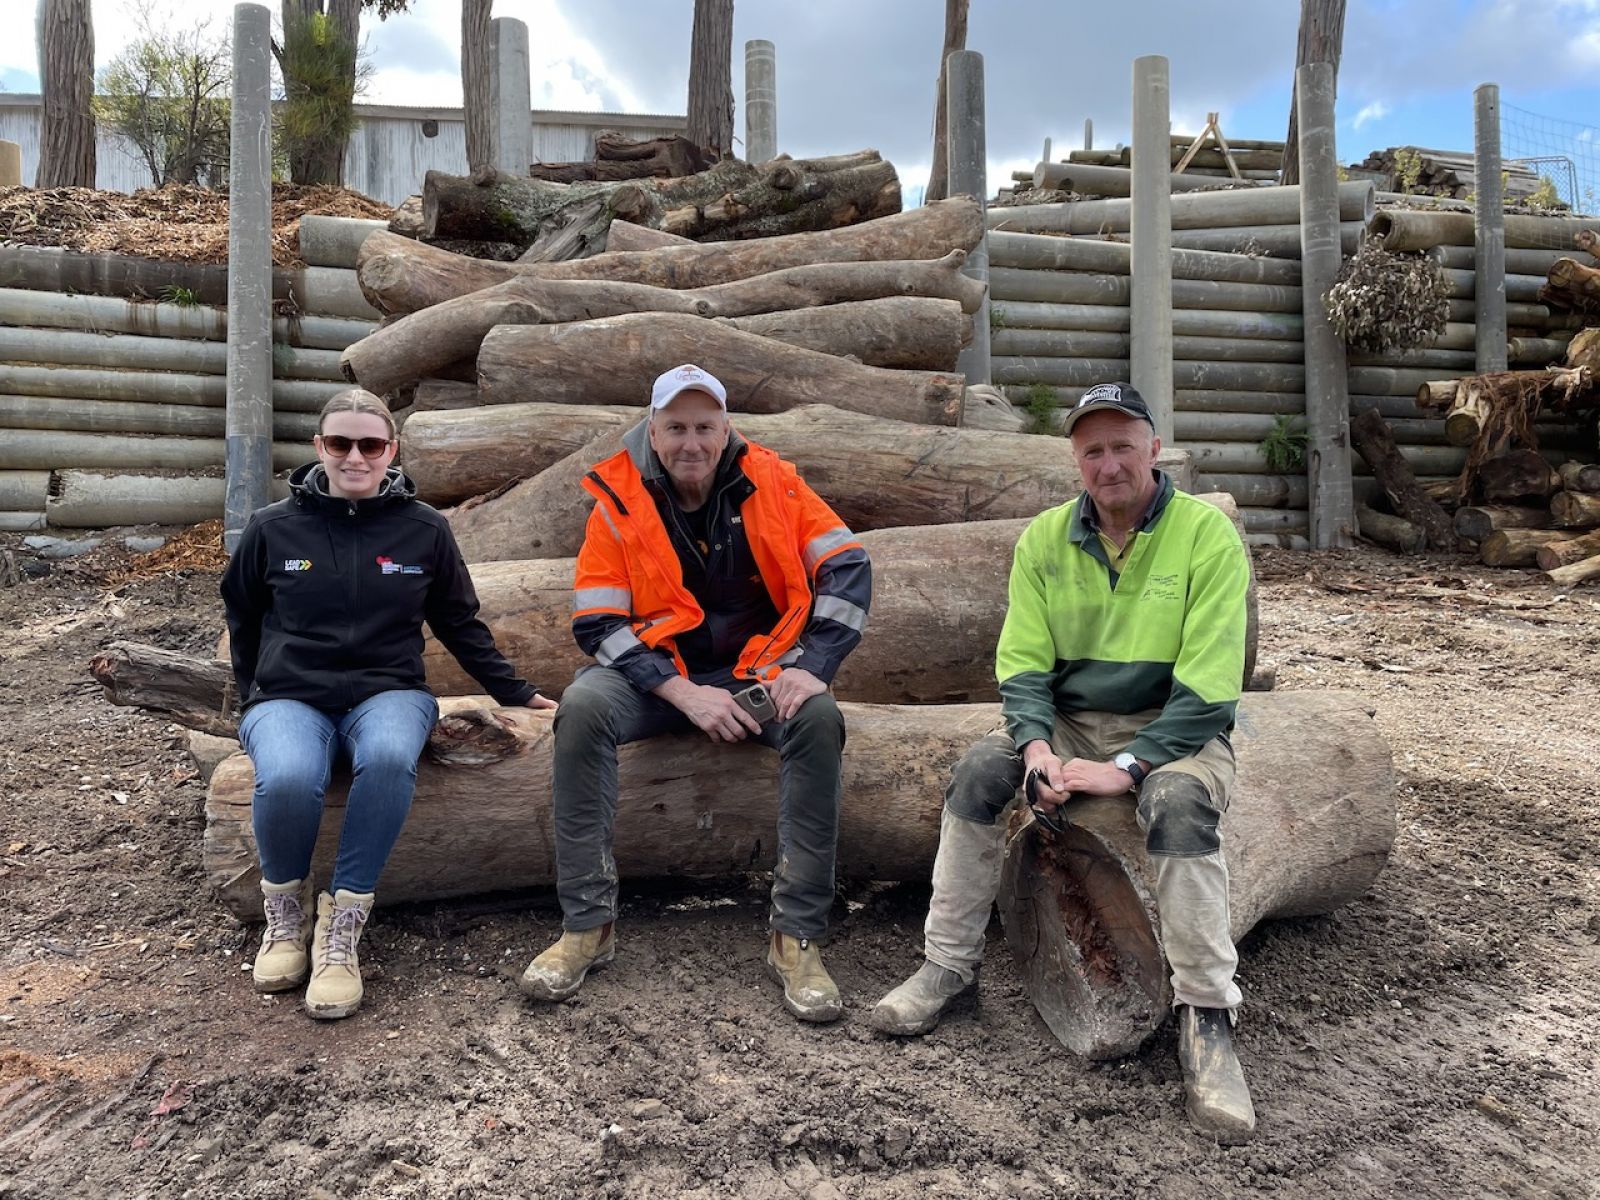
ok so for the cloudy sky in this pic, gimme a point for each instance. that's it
(856, 73)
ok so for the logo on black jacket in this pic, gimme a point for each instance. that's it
(390, 567)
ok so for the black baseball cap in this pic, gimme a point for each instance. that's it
(1109, 397)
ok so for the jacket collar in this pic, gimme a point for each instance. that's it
(308, 486)
(1084, 525)
(645, 460)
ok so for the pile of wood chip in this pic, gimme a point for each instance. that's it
(177, 223)
(198, 548)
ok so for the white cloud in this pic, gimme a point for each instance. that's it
(1375, 111)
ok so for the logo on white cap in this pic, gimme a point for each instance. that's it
(1102, 391)
(670, 384)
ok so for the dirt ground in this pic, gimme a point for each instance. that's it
(1438, 1038)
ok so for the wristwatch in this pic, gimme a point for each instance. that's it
(1127, 762)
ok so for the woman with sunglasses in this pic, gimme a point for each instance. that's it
(325, 599)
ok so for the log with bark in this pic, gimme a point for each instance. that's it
(1515, 547)
(625, 235)
(1575, 510)
(1575, 573)
(875, 473)
(1311, 825)
(1572, 285)
(1386, 529)
(1517, 475)
(617, 157)
(728, 201)
(444, 395)
(1584, 349)
(400, 275)
(614, 361)
(197, 693)
(1371, 437)
(1560, 549)
(1580, 477)
(1479, 521)
(930, 639)
(418, 344)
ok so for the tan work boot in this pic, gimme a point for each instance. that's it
(808, 990)
(917, 1004)
(335, 987)
(559, 972)
(281, 963)
(1213, 1081)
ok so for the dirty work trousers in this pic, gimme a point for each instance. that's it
(1178, 810)
(603, 710)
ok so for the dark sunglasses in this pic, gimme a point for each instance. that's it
(339, 446)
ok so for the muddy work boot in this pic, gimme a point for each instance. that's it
(282, 961)
(559, 972)
(335, 987)
(1213, 1082)
(917, 1004)
(809, 992)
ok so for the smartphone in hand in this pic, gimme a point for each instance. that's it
(757, 701)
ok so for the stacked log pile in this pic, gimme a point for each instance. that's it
(1109, 172)
(112, 402)
(1447, 173)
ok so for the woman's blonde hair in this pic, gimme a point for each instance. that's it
(356, 400)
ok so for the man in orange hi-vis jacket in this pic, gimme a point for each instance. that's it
(708, 568)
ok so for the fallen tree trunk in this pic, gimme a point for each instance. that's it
(1560, 549)
(930, 640)
(731, 199)
(617, 157)
(625, 235)
(1479, 521)
(1517, 475)
(1514, 547)
(1572, 285)
(1579, 477)
(400, 275)
(195, 692)
(615, 359)
(1079, 908)
(444, 395)
(1387, 530)
(897, 332)
(420, 343)
(1370, 435)
(1575, 510)
(875, 473)
(1575, 573)
(1309, 762)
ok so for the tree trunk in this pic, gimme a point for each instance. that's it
(1518, 475)
(1467, 415)
(322, 91)
(729, 201)
(622, 236)
(1575, 510)
(933, 630)
(1579, 477)
(614, 360)
(1388, 530)
(1575, 573)
(874, 473)
(1572, 285)
(617, 158)
(710, 109)
(1567, 550)
(955, 38)
(898, 332)
(1584, 349)
(1309, 827)
(197, 693)
(1321, 40)
(1370, 435)
(65, 42)
(400, 275)
(478, 66)
(1441, 393)
(1478, 522)
(1515, 547)
(435, 395)
(418, 344)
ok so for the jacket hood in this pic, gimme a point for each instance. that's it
(308, 485)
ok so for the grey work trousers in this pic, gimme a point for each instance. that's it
(1179, 807)
(603, 710)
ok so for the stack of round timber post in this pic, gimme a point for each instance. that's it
(112, 405)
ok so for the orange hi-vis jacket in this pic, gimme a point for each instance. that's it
(628, 567)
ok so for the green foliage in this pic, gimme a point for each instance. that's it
(1285, 447)
(168, 94)
(1039, 403)
(997, 317)
(1545, 195)
(181, 296)
(1408, 168)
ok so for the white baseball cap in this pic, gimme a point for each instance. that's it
(687, 378)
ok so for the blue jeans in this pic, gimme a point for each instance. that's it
(293, 747)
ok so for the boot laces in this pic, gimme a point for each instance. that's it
(285, 918)
(343, 933)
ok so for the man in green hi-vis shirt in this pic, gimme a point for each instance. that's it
(1120, 665)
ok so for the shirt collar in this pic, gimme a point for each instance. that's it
(1085, 522)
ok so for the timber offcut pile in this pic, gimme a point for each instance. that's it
(1448, 173)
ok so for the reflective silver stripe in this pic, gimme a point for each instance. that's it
(620, 599)
(819, 547)
(609, 521)
(842, 611)
(789, 657)
(615, 646)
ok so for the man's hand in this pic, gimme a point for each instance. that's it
(792, 688)
(1052, 789)
(712, 709)
(538, 701)
(1096, 778)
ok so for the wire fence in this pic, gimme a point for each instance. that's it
(1564, 154)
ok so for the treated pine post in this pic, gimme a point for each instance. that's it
(1332, 501)
(248, 427)
(1151, 267)
(1088, 133)
(511, 97)
(760, 101)
(1488, 233)
(967, 158)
